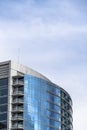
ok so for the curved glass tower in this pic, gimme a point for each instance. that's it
(34, 102)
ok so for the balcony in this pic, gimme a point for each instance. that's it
(3, 129)
(19, 75)
(18, 83)
(18, 109)
(17, 118)
(15, 93)
(18, 101)
(17, 127)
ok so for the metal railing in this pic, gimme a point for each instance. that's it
(18, 109)
(18, 101)
(17, 126)
(17, 117)
(18, 92)
(18, 82)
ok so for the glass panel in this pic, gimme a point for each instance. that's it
(3, 108)
(3, 125)
(36, 97)
(3, 82)
(3, 100)
(3, 103)
(54, 89)
(3, 92)
(53, 107)
(53, 98)
(53, 115)
(3, 116)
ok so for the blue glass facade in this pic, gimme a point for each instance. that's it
(42, 102)
(3, 103)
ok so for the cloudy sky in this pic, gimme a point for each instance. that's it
(49, 36)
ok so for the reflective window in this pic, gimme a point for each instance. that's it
(37, 101)
(3, 125)
(54, 123)
(3, 102)
(54, 89)
(3, 108)
(3, 82)
(43, 106)
(3, 116)
(53, 115)
(53, 98)
(4, 92)
(53, 107)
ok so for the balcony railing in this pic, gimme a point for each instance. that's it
(18, 109)
(3, 129)
(17, 126)
(17, 118)
(18, 82)
(18, 101)
(18, 92)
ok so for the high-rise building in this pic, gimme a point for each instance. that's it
(30, 101)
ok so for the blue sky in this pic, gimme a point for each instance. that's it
(52, 37)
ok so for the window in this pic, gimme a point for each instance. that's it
(3, 92)
(3, 108)
(3, 100)
(3, 116)
(3, 82)
(3, 125)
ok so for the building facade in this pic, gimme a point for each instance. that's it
(30, 101)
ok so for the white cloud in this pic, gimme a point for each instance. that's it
(40, 30)
(52, 39)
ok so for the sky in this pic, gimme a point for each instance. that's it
(49, 36)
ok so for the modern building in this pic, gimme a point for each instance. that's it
(30, 101)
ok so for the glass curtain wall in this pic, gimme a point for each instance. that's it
(41, 104)
(3, 103)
